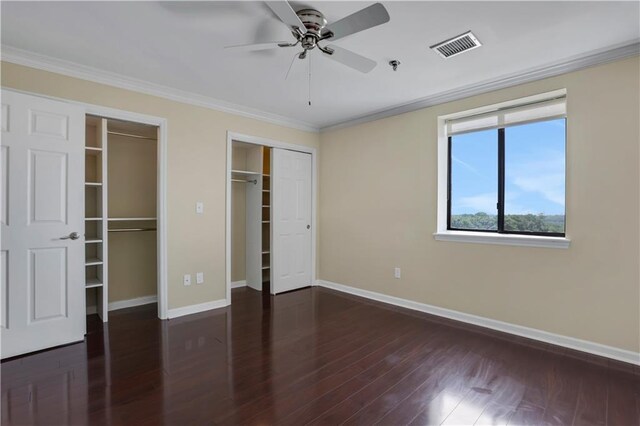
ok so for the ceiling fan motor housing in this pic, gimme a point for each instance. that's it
(313, 20)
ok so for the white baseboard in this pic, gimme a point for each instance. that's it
(122, 304)
(194, 309)
(531, 333)
(138, 301)
(238, 284)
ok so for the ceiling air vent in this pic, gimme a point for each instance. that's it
(456, 45)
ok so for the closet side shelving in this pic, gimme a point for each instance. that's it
(95, 213)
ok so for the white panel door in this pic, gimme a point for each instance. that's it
(291, 192)
(43, 299)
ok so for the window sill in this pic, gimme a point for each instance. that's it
(503, 239)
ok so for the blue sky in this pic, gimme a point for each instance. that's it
(535, 170)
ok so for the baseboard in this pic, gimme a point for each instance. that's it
(194, 309)
(531, 333)
(238, 284)
(122, 304)
(130, 303)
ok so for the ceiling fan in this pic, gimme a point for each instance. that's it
(309, 28)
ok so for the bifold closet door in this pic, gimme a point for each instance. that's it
(291, 208)
(42, 268)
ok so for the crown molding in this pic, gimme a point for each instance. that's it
(83, 72)
(575, 63)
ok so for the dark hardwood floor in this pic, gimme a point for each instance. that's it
(312, 356)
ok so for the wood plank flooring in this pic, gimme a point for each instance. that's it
(313, 356)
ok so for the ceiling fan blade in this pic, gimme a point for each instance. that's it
(285, 12)
(351, 59)
(369, 17)
(258, 46)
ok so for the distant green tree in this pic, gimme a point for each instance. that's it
(512, 222)
(480, 220)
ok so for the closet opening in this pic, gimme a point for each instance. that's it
(271, 193)
(121, 215)
(251, 216)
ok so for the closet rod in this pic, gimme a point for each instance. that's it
(131, 229)
(131, 136)
(254, 181)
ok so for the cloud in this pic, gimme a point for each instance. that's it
(546, 178)
(478, 203)
(464, 163)
(550, 187)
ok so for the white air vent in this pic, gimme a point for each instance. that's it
(458, 44)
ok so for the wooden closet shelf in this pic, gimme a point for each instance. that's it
(266, 252)
(92, 240)
(93, 261)
(265, 221)
(93, 183)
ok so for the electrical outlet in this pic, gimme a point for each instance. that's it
(199, 207)
(199, 277)
(187, 279)
(396, 273)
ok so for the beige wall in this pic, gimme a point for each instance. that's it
(196, 170)
(380, 212)
(238, 218)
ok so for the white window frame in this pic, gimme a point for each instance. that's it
(442, 233)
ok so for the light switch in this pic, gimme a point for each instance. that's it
(199, 207)
(396, 273)
(199, 277)
(187, 279)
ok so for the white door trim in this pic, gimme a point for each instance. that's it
(162, 124)
(257, 140)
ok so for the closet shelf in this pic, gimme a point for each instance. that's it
(92, 218)
(265, 221)
(93, 261)
(266, 267)
(127, 219)
(92, 150)
(93, 283)
(266, 205)
(266, 252)
(266, 190)
(245, 173)
(92, 240)
(93, 183)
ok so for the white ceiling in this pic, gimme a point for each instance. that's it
(180, 45)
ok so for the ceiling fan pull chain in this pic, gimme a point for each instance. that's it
(309, 80)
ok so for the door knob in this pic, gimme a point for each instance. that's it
(71, 236)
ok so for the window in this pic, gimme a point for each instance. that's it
(506, 171)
